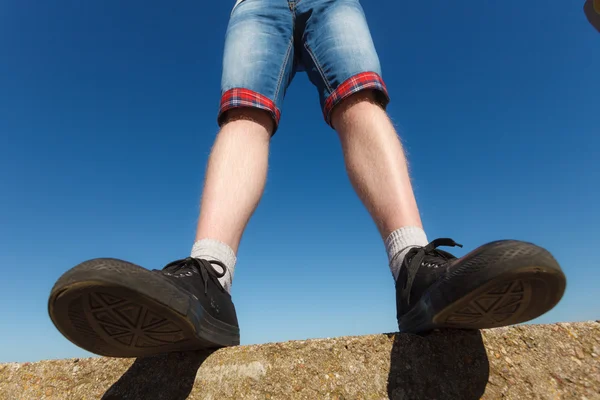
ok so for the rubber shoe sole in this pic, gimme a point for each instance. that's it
(502, 283)
(118, 309)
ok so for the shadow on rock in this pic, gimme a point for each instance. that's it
(170, 376)
(438, 365)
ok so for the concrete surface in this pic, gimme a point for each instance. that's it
(560, 361)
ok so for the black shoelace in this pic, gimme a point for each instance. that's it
(429, 256)
(203, 267)
(432, 254)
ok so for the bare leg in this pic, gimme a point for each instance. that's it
(376, 163)
(235, 177)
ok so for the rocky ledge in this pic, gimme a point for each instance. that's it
(558, 361)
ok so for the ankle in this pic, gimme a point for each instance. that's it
(399, 242)
(211, 249)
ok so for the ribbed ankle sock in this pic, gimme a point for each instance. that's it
(210, 249)
(399, 242)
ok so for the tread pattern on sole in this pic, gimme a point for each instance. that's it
(501, 283)
(80, 323)
(131, 324)
(493, 307)
(114, 308)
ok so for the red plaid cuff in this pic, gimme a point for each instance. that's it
(234, 98)
(356, 83)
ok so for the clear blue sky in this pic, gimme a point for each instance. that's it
(108, 111)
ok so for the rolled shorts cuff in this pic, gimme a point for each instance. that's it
(239, 97)
(355, 84)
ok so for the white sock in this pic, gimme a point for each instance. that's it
(210, 249)
(399, 242)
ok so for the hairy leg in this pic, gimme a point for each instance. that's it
(376, 163)
(236, 176)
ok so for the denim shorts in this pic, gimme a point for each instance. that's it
(268, 41)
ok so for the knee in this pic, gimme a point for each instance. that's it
(248, 115)
(354, 106)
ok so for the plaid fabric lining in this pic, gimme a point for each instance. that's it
(238, 97)
(356, 83)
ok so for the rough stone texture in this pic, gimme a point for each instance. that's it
(560, 361)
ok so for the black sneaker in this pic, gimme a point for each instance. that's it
(114, 308)
(498, 284)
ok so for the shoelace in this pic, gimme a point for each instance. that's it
(203, 267)
(436, 257)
